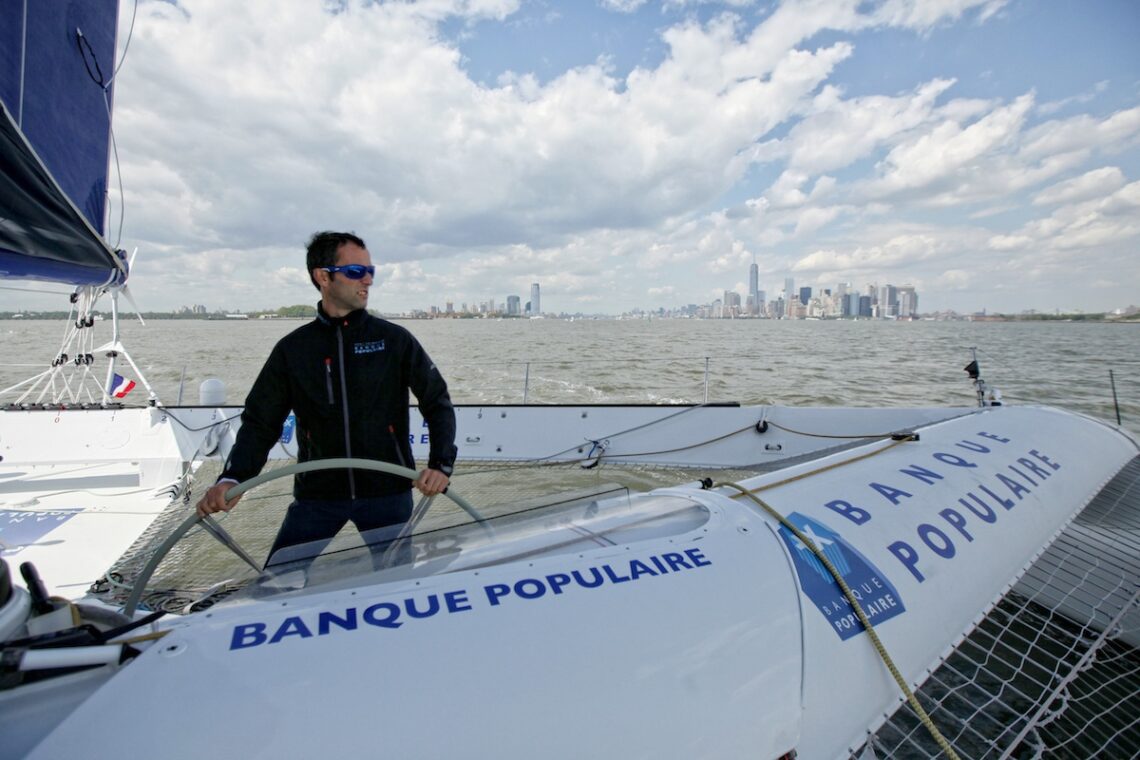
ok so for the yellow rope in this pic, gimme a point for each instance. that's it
(155, 636)
(878, 644)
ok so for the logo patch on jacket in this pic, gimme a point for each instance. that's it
(369, 347)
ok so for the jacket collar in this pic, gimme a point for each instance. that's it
(352, 318)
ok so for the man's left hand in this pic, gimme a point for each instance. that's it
(432, 482)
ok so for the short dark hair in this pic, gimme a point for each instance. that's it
(322, 249)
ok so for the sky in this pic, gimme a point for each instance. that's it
(629, 154)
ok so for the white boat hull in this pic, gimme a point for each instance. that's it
(710, 637)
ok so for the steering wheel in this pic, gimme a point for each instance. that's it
(223, 537)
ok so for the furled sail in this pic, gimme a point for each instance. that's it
(56, 62)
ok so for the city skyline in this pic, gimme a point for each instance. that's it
(843, 300)
(888, 301)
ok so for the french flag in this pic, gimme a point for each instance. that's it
(121, 386)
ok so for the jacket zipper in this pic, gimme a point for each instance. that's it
(399, 452)
(344, 408)
(328, 378)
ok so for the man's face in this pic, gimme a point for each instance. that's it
(339, 294)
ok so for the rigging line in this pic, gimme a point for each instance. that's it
(858, 608)
(69, 333)
(118, 169)
(988, 355)
(546, 460)
(81, 42)
(126, 45)
(497, 466)
(170, 413)
(832, 466)
(105, 85)
(679, 448)
(567, 450)
(825, 435)
(517, 464)
(1013, 375)
(653, 422)
(736, 432)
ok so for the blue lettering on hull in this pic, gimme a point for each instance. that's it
(394, 614)
(20, 529)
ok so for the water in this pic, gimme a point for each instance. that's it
(828, 363)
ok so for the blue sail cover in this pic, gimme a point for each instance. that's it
(56, 60)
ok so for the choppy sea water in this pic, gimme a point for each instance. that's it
(828, 363)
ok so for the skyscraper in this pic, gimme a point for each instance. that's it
(888, 301)
(754, 287)
(513, 308)
(790, 297)
(535, 308)
(908, 301)
(731, 305)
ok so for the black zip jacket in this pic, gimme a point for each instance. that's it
(347, 381)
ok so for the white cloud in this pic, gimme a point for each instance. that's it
(839, 132)
(813, 219)
(924, 14)
(622, 6)
(1010, 242)
(1079, 227)
(950, 149)
(1084, 133)
(243, 127)
(1098, 182)
(953, 280)
(899, 251)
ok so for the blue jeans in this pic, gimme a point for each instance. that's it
(315, 522)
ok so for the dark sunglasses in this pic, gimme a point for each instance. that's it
(352, 271)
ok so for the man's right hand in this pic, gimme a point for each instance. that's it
(214, 500)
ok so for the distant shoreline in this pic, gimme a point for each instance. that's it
(1132, 318)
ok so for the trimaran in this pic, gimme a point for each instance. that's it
(821, 582)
